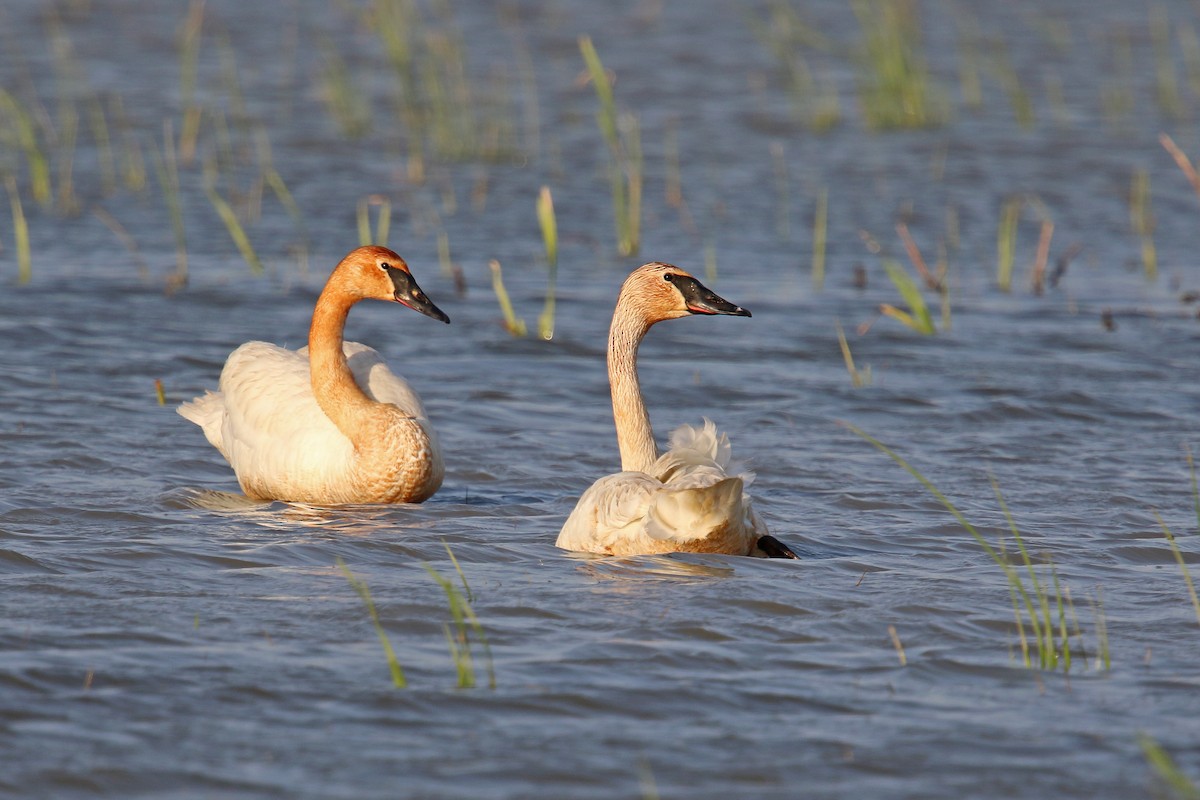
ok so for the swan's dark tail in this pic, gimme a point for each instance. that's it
(773, 548)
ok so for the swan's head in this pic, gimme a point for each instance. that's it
(664, 291)
(379, 273)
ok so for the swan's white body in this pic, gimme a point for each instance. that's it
(690, 499)
(339, 427)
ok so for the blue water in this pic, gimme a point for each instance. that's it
(163, 637)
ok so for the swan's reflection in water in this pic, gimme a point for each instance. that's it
(349, 520)
(636, 569)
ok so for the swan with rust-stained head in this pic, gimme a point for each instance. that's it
(691, 498)
(329, 423)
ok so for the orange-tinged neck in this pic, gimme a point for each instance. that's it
(635, 438)
(333, 384)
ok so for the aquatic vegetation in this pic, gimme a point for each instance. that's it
(710, 261)
(114, 225)
(445, 262)
(1167, 770)
(1166, 81)
(166, 168)
(858, 378)
(20, 231)
(623, 136)
(1181, 159)
(937, 284)
(512, 323)
(549, 226)
(383, 220)
(1103, 657)
(230, 219)
(1043, 255)
(274, 180)
(466, 627)
(895, 637)
(189, 54)
(106, 160)
(360, 587)
(895, 89)
(1018, 98)
(814, 97)
(347, 105)
(23, 129)
(1141, 219)
(1006, 242)
(917, 317)
(820, 228)
(1031, 605)
(1174, 545)
(783, 203)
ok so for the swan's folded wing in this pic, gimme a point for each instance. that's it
(273, 425)
(268, 391)
(613, 508)
(371, 372)
(688, 514)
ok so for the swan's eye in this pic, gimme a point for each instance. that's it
(384, 265)
(669, 277)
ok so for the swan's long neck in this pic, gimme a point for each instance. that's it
(333, 384)
(634, 435)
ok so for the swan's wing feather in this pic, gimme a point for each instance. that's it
(207, 411)
(273, 424)
(268, 392)
(685, 514)
(612, 508)
(371, 372)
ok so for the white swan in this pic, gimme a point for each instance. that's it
(690, 499)
(328, 423)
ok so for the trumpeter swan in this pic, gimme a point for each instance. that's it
(328, 423)
(690, 499)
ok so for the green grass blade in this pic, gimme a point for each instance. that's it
(232, 223)
(1101, 628)
(20, 232)
(458, 568)
(1187, 577)
(820, 224)
(1006, 242)
(919, 319)
(941, 498)
(1037, 589)
(858, 378)
(514, 324)
(360, 586)
(1164, 766)
(549, 226)
(460, 648)
(607, 115)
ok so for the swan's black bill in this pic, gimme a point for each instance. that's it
(409, 294)
(702, 300)
(775, 548)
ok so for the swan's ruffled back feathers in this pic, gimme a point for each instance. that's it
(698, 456)
(693, 500)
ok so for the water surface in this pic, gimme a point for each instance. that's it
(163, 637)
